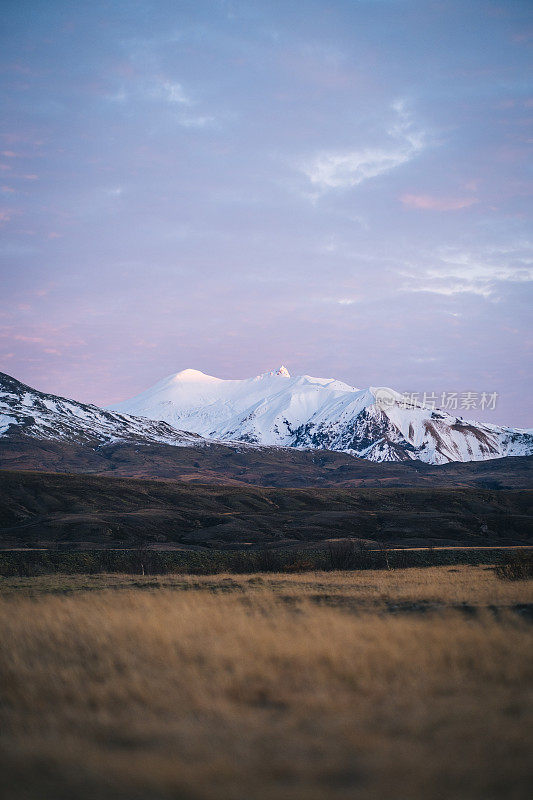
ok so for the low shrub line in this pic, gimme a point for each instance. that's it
(345, 555)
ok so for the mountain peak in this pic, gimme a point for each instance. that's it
(192, 375)
(280, 372)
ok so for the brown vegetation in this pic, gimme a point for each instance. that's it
(43, 509)
(517, 566)
(286, 686)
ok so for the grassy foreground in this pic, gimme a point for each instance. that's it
(273, 686)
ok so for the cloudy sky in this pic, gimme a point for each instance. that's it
(229, 185)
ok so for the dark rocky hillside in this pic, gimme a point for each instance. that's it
(268, 466)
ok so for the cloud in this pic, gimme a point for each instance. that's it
(196, 122)
(502, 264)
(29, 339)
(170, 92)
(166, 93)
(449, 289)
(173, 93)
(481, 273)
(336, 169)
(431, 203)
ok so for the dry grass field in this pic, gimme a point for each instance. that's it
(405, 685)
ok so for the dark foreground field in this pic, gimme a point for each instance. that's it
(40, 509)
(324, 685)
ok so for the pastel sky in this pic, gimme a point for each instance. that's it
(341, 187)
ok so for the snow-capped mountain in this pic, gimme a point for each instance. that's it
(276, 408)
(26, 411)
(273, 409)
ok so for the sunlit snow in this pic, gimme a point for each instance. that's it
(276, 408)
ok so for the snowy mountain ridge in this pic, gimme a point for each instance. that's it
(26, 411)
(277, 409)
(274, 409)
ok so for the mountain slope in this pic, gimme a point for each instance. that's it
(305, 412)
(28, 412)
(237, 464)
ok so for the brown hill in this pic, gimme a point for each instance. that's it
(267, 466)
(43, 510)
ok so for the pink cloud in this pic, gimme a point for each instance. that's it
(429, 202)
(29, 339)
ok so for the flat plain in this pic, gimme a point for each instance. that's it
(411, 683)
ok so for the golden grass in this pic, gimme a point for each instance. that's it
(369, 588)
(251, 687)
